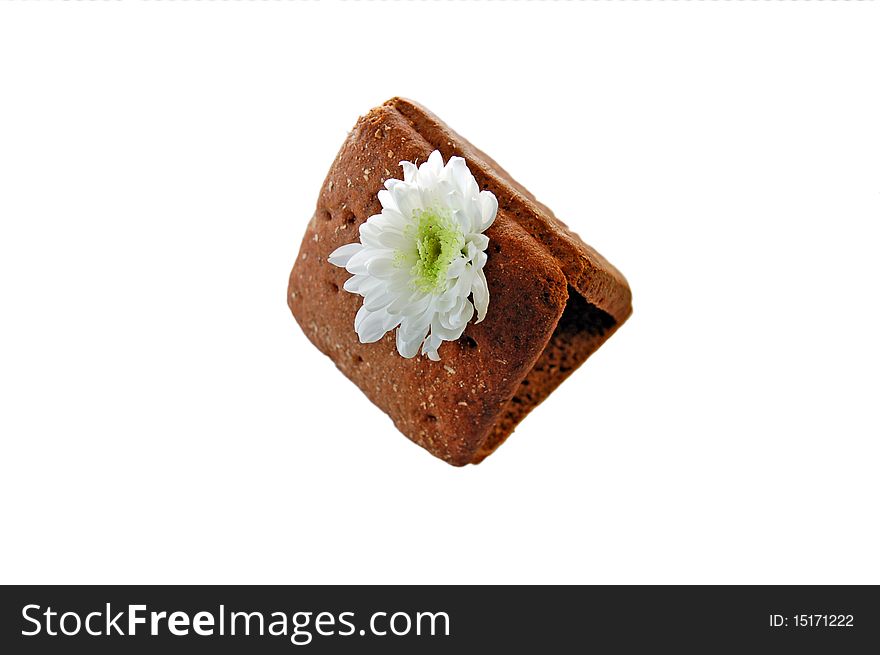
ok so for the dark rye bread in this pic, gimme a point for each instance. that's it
(553, 299)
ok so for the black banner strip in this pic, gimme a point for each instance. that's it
(442, 619)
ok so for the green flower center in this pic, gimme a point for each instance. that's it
(439, 241)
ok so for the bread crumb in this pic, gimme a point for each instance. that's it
(348, 180)
(449, 369)
(462, 403)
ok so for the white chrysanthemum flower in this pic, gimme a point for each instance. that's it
(420, 260)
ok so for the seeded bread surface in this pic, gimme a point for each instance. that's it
(553, 299)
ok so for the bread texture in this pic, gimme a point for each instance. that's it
(553, 299)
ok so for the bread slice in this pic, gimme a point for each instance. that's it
(554, 300)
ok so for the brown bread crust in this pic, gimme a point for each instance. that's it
(553, 299)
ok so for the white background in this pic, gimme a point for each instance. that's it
(165, 420)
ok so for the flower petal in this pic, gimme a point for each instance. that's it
(429, 348)
(357, 265)
(386, 199)
(408, 341)
(463, 179)
(362, 313)
(488, 208)
(360, 284)
(342, 254)
(480, 290)
(382, 265)
(374, 326)
(410, 304)
(431, 169)
(480, 241)
(457, 317)
(378, 300)
(395, 240)
(407, 198)
(409, 171)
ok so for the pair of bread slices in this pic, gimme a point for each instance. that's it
(554, 300)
